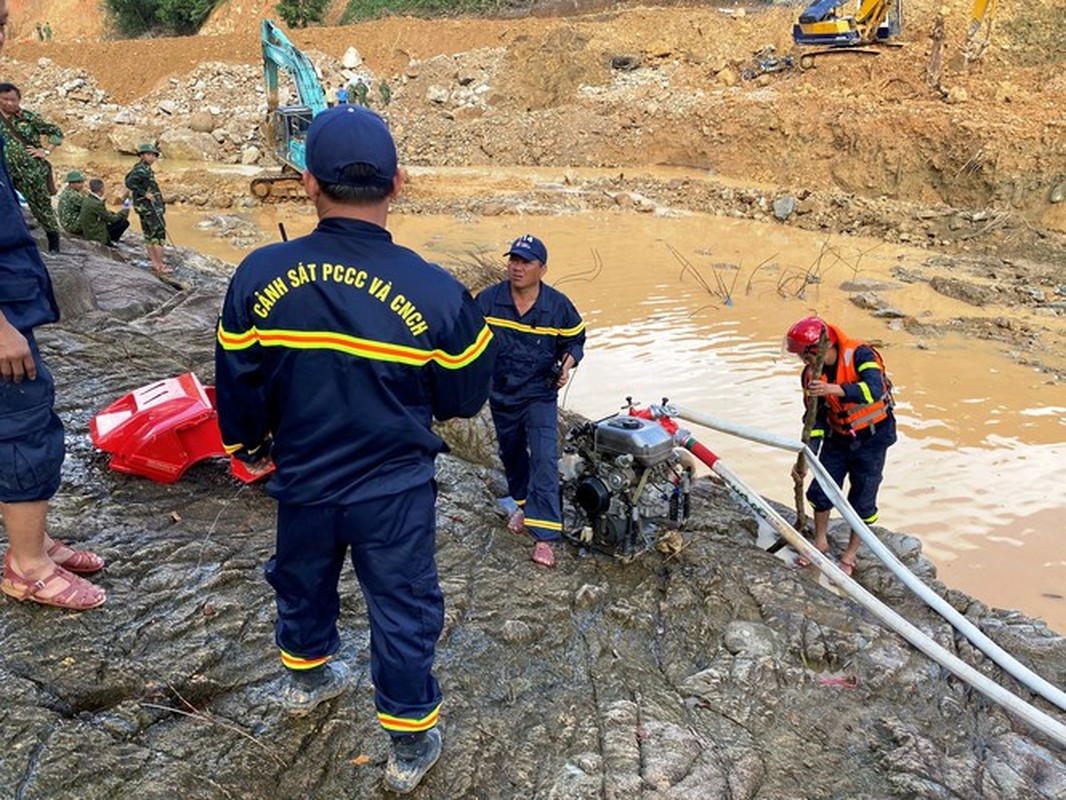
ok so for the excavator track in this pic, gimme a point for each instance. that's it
(277, 187)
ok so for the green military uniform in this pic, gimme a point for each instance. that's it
(152, 210)
(361, 93)
(95, 219)
(70, 204)
(30, 174)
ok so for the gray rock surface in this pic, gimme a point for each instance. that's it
(719, 671)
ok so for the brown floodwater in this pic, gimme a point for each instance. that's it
(979, 469)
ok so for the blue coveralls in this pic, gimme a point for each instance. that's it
(859, 457)
(335, 350)
(31, 435)
(524, 397)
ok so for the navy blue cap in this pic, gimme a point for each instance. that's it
(347, 135)
(529, 248)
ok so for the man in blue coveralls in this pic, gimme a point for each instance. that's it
(542, 338)
(335, 351)
(36, 567)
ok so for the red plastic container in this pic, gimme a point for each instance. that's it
(159, 430)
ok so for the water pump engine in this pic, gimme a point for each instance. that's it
(624, 485)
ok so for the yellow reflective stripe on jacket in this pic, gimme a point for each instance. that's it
(511, 324)
(295, 662)
(391, 723)
(866, 393)
(354, 346)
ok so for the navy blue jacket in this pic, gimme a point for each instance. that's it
(342, 346)
(530, 344)
(26, 297)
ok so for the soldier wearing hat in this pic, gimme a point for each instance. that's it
(149, 205)
(27, 158)
(335, 353)
(70, 200)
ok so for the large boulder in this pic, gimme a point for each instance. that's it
(187, 145)
(126, 138)
(202, 121)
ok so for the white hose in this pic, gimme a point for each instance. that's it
(1019, 671)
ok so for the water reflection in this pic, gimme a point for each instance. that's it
(980, 464)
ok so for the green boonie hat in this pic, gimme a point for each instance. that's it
(147, 148)
(75, 177)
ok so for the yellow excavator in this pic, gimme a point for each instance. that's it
(826, 24)
(979, 36)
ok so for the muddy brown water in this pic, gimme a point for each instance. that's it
(979, 469)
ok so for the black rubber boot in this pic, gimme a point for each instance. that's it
(53, 241)
(411, 758)
(305, 689)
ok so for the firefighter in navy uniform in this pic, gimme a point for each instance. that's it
(542, 338)
(335, 351)
(854, 426)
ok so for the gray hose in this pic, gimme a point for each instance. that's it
(1005, 660)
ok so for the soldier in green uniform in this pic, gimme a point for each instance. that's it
(27, 160)
(70, 200)
(149, 205)
(362, 92)
(97, 223)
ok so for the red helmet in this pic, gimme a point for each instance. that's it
(806, 333)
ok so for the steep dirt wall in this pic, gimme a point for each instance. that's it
(70, 20)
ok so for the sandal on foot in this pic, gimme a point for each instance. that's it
(517, 522)
(543, 554)
(803, 561)
(84, 562)
(79, 594)
(163, 271)
(847, 567)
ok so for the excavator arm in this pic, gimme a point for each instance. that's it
(822, 23)
(286, 126)
(979, 35)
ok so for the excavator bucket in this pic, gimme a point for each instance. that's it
(161, 429)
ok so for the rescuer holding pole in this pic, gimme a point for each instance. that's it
(854, 426)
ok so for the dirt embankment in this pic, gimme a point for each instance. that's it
(963, 160)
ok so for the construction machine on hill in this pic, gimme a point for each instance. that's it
(826, 24)
(286, 126)
(979, 35)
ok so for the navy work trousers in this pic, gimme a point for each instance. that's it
(31, 436)
(392, 542)
(862, 460)
(529, 449)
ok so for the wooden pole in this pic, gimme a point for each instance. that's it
(805, 436)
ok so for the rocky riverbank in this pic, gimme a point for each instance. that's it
(719, 671)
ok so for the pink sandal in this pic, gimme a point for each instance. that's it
(847, 567)
(79, 595)
(543, 554)
(517, 522)
(84, 562)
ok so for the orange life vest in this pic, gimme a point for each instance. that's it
(847, 417)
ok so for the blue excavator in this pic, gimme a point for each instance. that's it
(286, 126)
(826, 23)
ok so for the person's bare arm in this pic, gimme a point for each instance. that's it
(16, 359)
